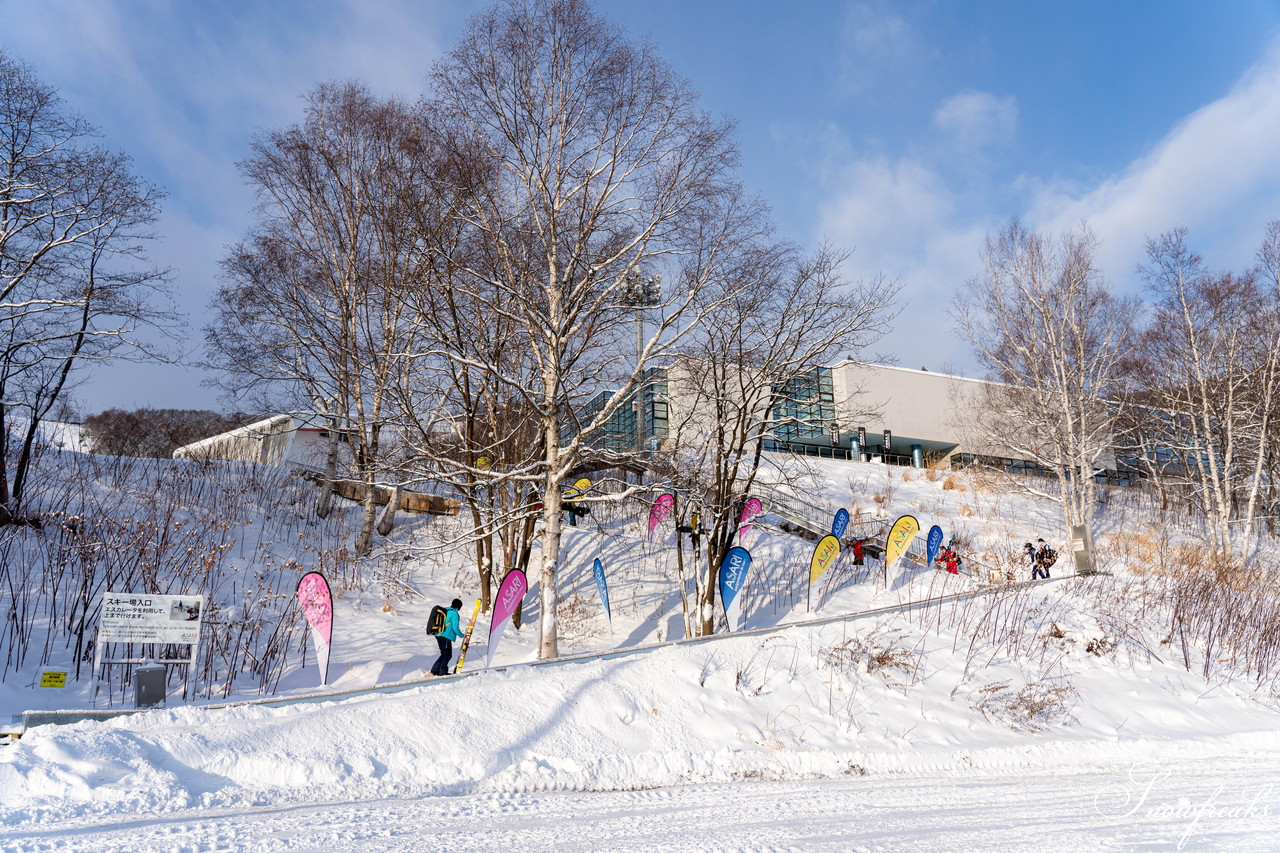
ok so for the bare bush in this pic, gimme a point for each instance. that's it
(1033, 707)
(580, 618)
(883, 653)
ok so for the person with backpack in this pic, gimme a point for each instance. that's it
(443, 625)
(1029, 554)
(1045, 557)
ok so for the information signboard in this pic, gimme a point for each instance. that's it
(133, 618)
(53, 678)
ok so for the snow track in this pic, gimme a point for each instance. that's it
(1195, 805)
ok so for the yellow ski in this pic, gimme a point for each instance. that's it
(466, 638)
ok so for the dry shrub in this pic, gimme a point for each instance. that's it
(952, 484)
(934, 465)
(1032, 708)
(1099, 646)
(1145, 548)
(884, 654)
(906, 475)
(579, 618)
(966, 511)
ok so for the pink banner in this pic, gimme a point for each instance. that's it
(317, 606)
(510, 594)
(751, 510)
(661, 509)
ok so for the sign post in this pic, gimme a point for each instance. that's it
(129, 617)
(52, 680)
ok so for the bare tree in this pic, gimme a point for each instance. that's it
(314, 302)
(1050, 335)
(749, 380)
(601, 163)
(75, 285)
(1211, 374)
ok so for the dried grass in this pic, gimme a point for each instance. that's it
(1033, 707)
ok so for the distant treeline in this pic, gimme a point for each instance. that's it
(155, 432)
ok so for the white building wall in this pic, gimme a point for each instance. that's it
(914, 404)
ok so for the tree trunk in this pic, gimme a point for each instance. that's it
(324, 500)
(364, 539)
(5, 514)
(548, 639)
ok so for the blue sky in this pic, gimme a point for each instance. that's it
(904, 132)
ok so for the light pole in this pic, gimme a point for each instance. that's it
(640, 292)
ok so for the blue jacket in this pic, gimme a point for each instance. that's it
(452, 631)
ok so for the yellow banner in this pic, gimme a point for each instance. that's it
(579, 488)
(824, 555)
(900, 536)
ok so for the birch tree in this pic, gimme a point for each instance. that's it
(1053, 339)
(1211, 359)
(314, 299)
(602, 163)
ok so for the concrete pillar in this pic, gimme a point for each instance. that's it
(917, 456)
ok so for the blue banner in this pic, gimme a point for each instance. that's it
(933, 545)
(840, 524)
(733, 577)
(598, 570)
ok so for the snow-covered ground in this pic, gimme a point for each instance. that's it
(1051, 717)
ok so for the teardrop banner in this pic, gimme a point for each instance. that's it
(900, 536)
(824, 555)
(598, 570)
(579, 488)
(661, 509)
(316, 601)
(840, 523)
(733, 577)
(510, 593)
(933, 544)
(751, 510)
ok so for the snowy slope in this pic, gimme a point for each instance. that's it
(997, 694)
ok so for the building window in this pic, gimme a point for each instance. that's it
(804, 406)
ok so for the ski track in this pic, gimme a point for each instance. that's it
(1150, 807)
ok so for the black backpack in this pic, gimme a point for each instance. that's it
(435, 622)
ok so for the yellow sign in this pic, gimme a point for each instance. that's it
(579, 489)
(823, 557)
(53, 679)
(900, 536)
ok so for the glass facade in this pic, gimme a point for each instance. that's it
(804, 407)
(619, 432)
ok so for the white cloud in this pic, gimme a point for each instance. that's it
(1217, 172)
(903, 221)
(974, 120)
(182, 88)
(875, 41)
